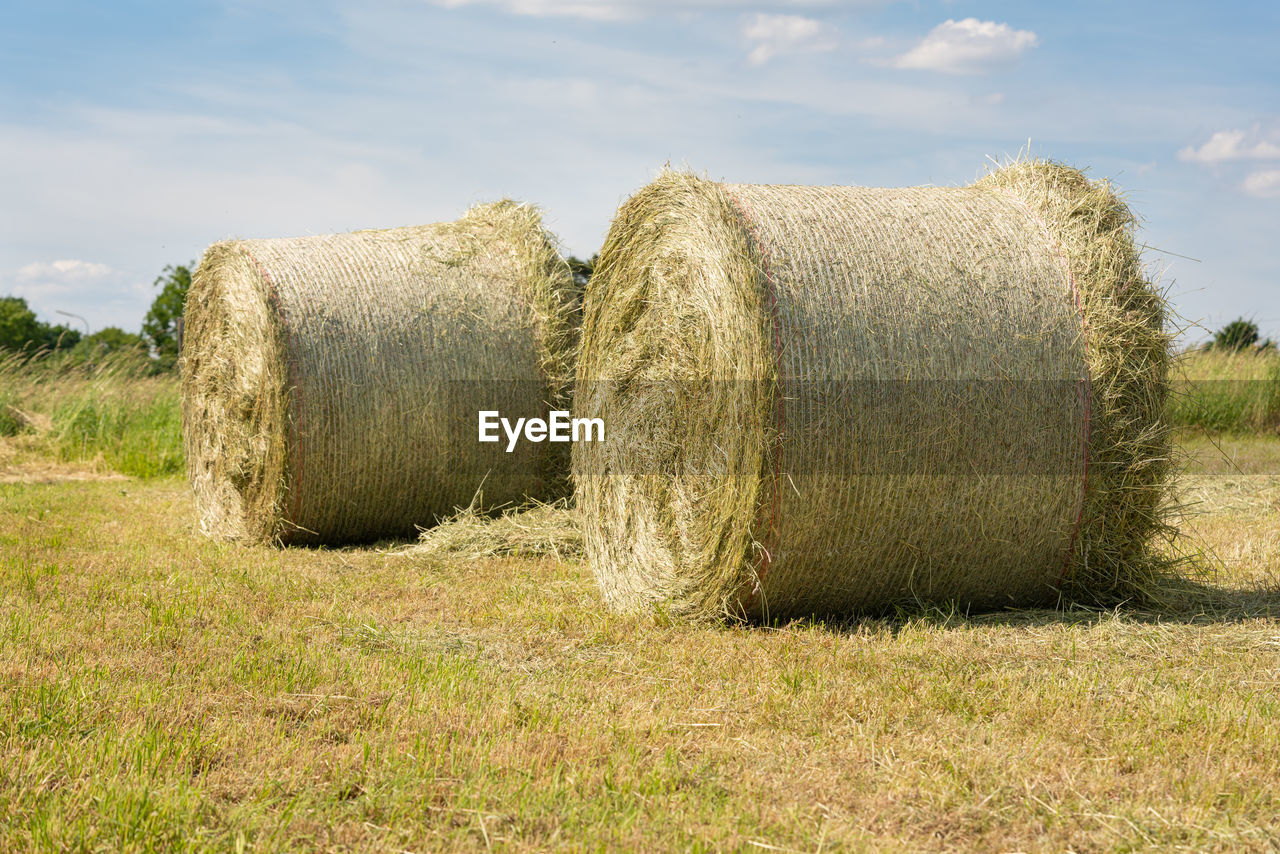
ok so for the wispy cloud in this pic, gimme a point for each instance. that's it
(592, 11)
(778, 35)
(1251, 144)
(616, 10)
(1264, 183)
(969, 46)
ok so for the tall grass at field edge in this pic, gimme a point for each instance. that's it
(118, 411)
(115, 410)
(1227, 392)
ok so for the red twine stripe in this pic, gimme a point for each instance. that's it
(774, 505)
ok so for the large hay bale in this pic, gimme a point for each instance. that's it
(830, 399)
(331, 384)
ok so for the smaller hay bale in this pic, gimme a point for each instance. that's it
(836, 399)
(331, 384)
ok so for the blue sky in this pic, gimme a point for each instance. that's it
(133, 134)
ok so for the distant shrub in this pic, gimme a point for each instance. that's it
(112, 339)
(1240, 335)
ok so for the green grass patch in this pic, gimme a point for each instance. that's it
(143, 439)
(1224, 392)
(10, 423)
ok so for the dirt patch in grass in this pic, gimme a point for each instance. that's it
(53, 473)
(23, 460)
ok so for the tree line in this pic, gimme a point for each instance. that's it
(21, 331)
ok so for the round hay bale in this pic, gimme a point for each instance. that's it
(331, 385)
(835, 399)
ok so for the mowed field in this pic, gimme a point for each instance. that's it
(161, 692)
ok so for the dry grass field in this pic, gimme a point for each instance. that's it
(161, 692)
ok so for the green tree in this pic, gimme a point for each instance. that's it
(18, 324)
(20, 329)
(112, 339)
(160, 327)
(1237, 335)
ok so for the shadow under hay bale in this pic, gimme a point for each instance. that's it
(829, 399)
(331, 384)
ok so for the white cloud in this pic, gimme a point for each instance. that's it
(614, 10)
(1252, 144)
(776, 35)
(967, 47)
(65, 272)
(98, 292)
(1265, 183)
(1225, 147)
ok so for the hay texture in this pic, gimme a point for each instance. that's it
(530, 530)
(833, 399)
(331, 384)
